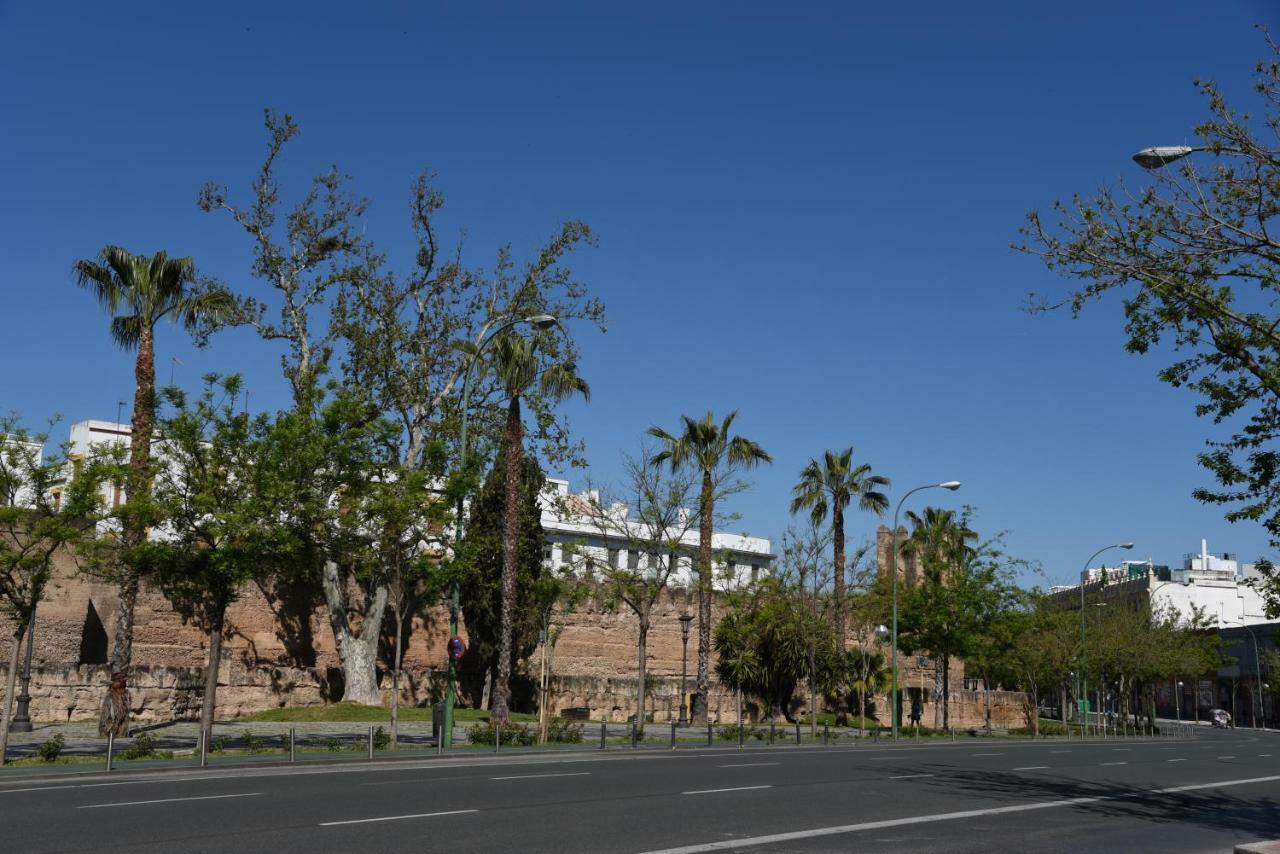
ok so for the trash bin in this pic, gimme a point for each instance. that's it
(437, 720)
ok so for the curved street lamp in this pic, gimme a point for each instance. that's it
(951, 485)
(1126, 546)
(539, 322)
(1261, 697)
(1158, 156)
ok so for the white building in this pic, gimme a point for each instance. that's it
(1212, 584)
(572, 534)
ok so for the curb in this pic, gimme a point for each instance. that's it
(1272, 847)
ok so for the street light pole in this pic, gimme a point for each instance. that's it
(1083, 680)
(538, 321)
(952, 485)
(685, 619)
(1256, 666)
(22, 715)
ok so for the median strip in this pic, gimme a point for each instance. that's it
(394, 817)
(167, 801)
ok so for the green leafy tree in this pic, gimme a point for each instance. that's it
(710, 450)
(484, 558)
(140, 291)
(827, 487)
(214, 507)
(769, 640)
(947, 610)
(1040, 656)
(1192, 257)
(49, 504)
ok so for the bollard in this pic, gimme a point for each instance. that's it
(497, 737)
(826, 735)
(370, 742)
(204, 748)
(673, 736)
(709, 742)
(111, 745)
(772, 731)
(797, 733)
(293, 744)
(603, 732)
(633, 735)
(742, 732)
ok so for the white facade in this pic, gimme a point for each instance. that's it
(573, 536)
(1214, 585)
(88, 435)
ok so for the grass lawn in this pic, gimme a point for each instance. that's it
(342, 712)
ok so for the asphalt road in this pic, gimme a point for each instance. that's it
(1204, 794)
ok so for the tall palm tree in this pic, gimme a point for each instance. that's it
(828, 487)
(939, 540)
(706, 447)
(520, 368)
(139, 291)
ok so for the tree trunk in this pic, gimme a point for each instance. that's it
(698, 710)
(937, 696)
(837, 574)
(986, 699)
(357, 652)
(486, 690)
(513, 449)
(946, 693)
(114, 717)
(640, 652)
(11, 684)
(395, 680)
(209, 703)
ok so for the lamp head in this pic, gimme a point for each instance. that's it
(882, 632)
(952, 485)
(1161, 155)
(1126, 545)
(541, 321)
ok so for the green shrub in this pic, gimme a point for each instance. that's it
(252, 743)
(50, 750)
(514, 734)
(381, 739)
(143, 747)
(333, 745)
(561, 731)
(729, 732)
(218, 744)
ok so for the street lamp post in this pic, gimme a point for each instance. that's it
(22, 715)
(685, 619)
(1256, 665)
(537, 321)
(1083, 680)
(1177, 701)
(952, 485)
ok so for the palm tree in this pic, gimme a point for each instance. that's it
(939, 540)
(829, 486)
(139, 291)
(707, 448)
(520, 368)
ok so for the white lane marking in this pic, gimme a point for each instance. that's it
(168, 801)
(394, 817)
(1059, 751)
(1168, 748)
(734, 789)
(748, 765)
(753, 841)
(73, 786)
(1032, 768)
(909, 776)
(986, 754)
(539, 776)
(1226, 757)
(1121, 750)
(1175, 760)
(1264, 754)
(1113, 763)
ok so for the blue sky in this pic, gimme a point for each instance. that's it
(804, 212)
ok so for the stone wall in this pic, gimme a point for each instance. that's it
(279, 651)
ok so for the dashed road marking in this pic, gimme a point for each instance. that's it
(909, 776)
(748, 765)
(1031, 768)
(1113, 763)
(733, 789)
(540, 776)
(167, 801)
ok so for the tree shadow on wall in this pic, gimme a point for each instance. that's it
(293, 603)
